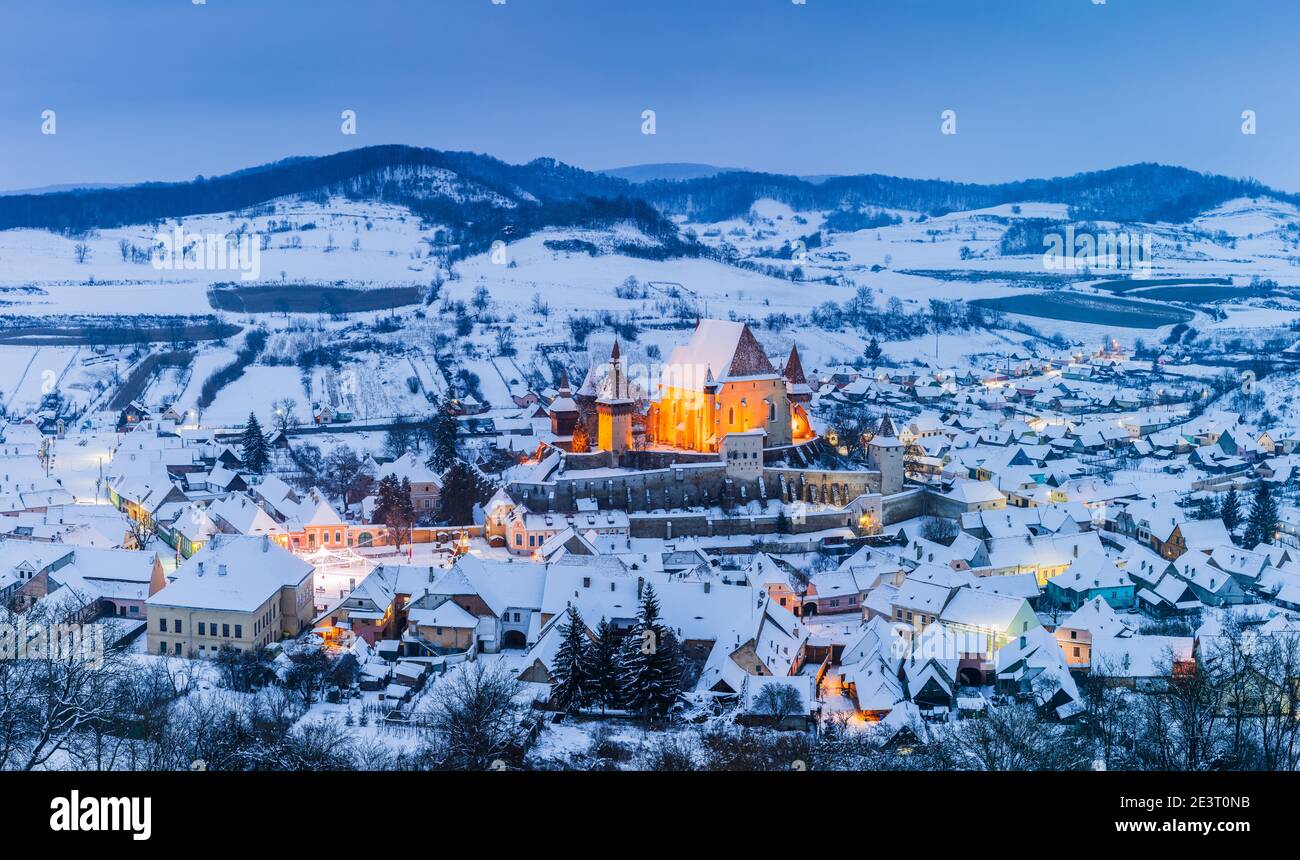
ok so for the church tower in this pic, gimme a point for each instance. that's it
(614, 409)
(795, 380)
(885, 453)
(563, 410)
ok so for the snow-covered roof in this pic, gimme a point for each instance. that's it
(233, 572)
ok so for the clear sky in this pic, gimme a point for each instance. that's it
(167, 89)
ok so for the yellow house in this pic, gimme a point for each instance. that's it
(239, 591)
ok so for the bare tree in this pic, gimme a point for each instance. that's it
(140, 532)
(1010, 737)
(60, 683)
(284, 413)
(1106, 708)
(778, 701)
(308, 671)
(1185, 717)
(474, 710)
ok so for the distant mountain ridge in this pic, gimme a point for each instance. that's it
(481, 198)
(66, 186)
(676, 171)
(1138, 192)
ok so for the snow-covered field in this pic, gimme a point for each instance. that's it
(363, 245)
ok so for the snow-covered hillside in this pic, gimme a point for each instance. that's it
(461, 316)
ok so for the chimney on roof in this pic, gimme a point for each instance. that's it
(221, 570)
(266, 543)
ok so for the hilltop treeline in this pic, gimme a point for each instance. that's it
(481, 198)
(1138, 192)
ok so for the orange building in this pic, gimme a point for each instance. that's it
(722, 382)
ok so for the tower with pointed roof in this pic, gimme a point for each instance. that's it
(795, 381)
(614, 408)
(800, 394)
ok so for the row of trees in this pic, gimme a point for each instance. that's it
(639, 672)
(1260, 518)
(87, 709)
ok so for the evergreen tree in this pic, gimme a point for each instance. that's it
(872, 353)
(581, 443)
(406, 504)
(1204, 508)
(257, 454)
(442, 440)
(782, 522)
(651, 663)
(572, 669)
(386, 500)
(1230, 512)
(605, 674)
(462, 489)
(1261, 521)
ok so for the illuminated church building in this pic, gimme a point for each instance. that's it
(722, 382)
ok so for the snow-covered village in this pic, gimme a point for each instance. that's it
(388, 448)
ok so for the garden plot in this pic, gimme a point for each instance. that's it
(15, 362)
(425, 368)
(383, 389)
(496, 392)
(167, 385)
(254, 392)
(208, 361)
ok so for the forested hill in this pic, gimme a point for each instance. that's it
(1138, 192)
(481, 197)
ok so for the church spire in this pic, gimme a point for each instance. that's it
(617, 384)
(794, 368)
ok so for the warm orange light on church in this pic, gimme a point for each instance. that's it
(799, 424)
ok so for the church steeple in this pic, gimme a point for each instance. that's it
(614, 409)
(793, 371)
(616, 388)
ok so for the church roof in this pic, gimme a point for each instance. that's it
(588, 387)
(720, 348)
(563, 404)
(794, 368)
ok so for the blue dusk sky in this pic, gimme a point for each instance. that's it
(167, 89)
